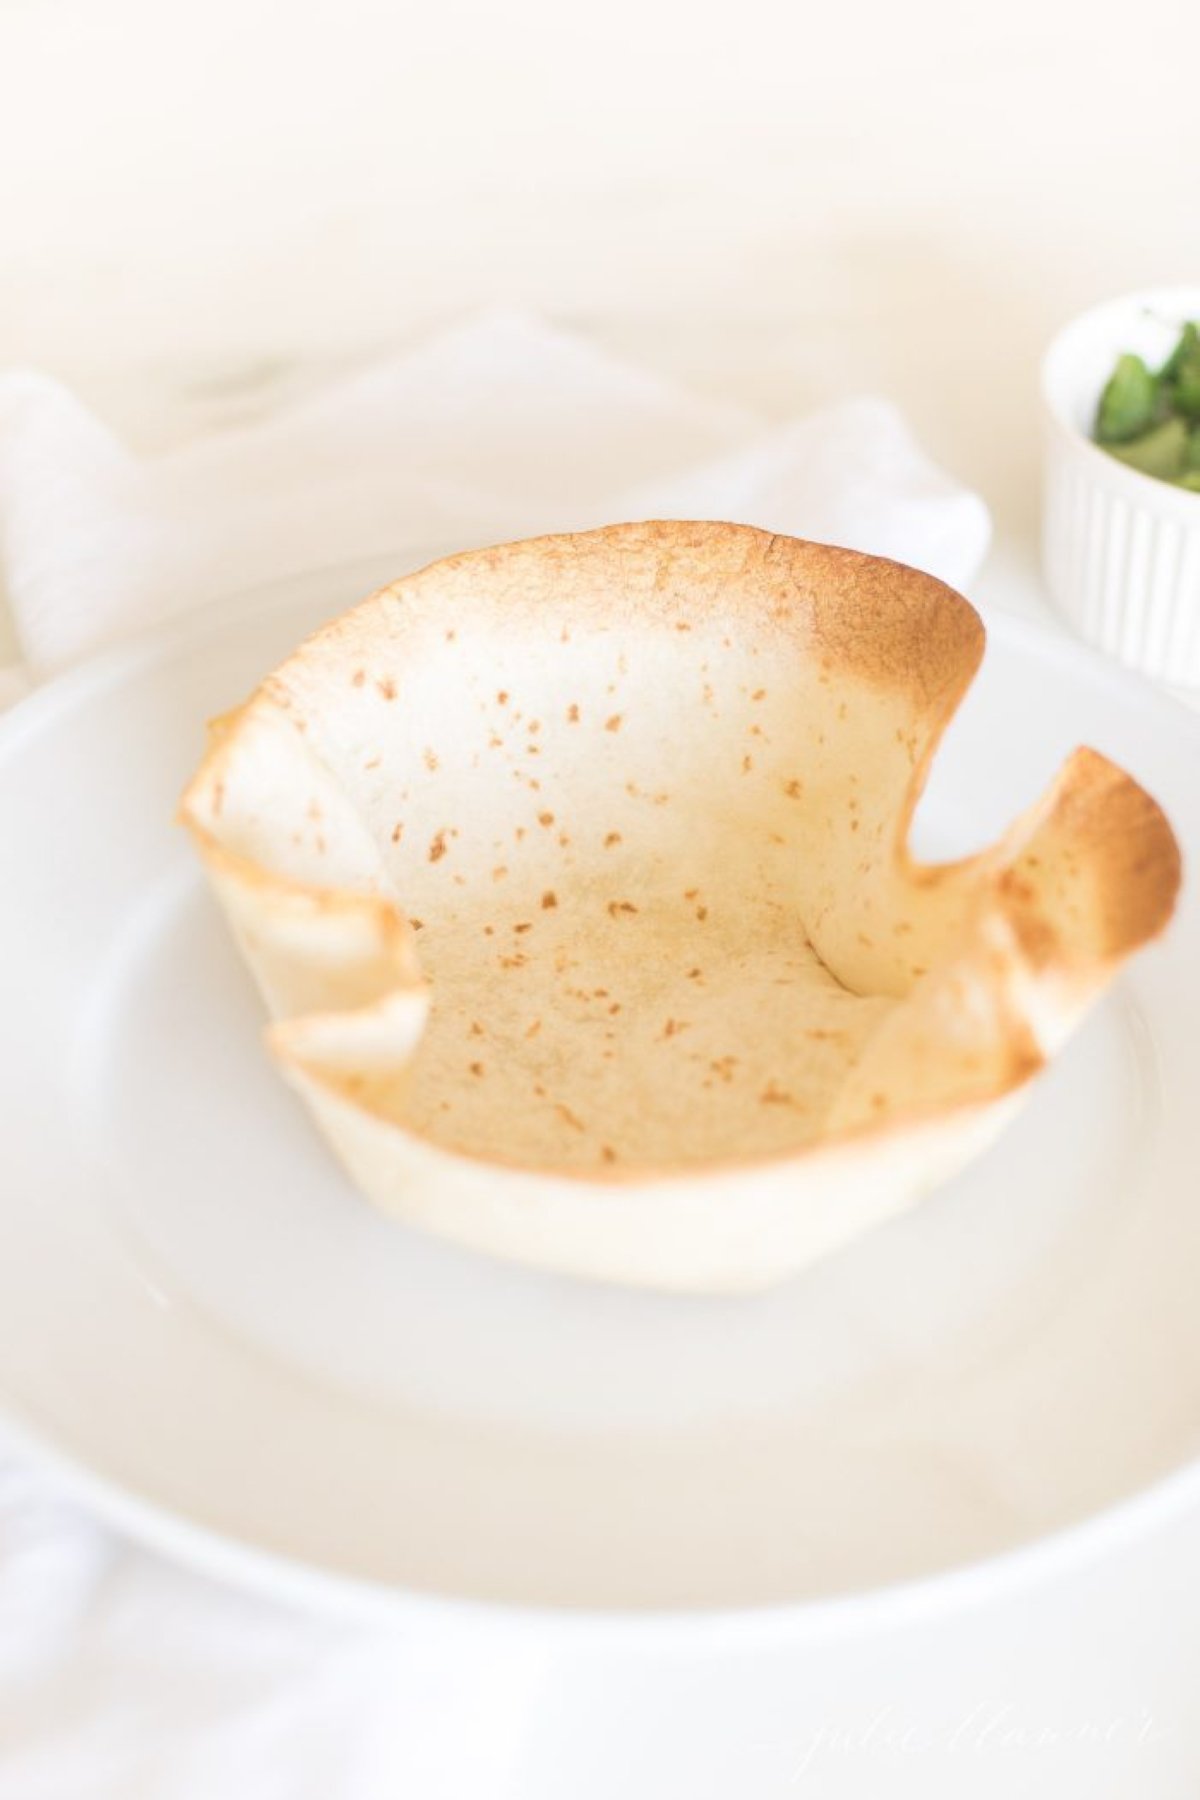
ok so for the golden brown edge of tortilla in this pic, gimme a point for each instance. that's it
(1115, 824)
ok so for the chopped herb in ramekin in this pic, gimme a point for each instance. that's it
(1151, 419)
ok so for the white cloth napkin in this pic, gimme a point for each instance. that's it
(494, 430)
(122, 1678)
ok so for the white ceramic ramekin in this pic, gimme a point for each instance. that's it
(1121, 550)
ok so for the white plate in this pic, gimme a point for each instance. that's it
(245, 1363)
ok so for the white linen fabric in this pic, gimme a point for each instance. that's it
(497, 429)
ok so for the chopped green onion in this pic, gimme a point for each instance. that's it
(1151, 421)
(1128, 402)
(1159, 451)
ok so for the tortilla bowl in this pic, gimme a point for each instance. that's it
(575, 877)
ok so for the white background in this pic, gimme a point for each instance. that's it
(205, 206)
